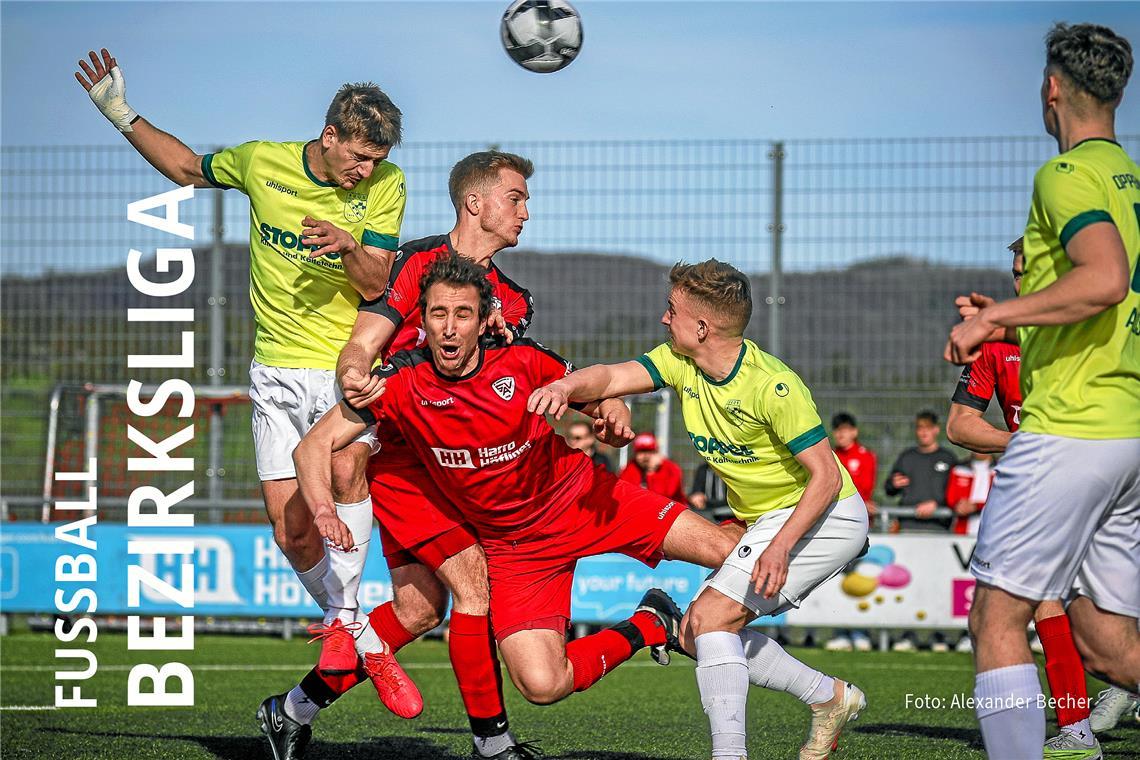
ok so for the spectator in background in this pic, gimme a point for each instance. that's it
(580, 435)
(967, 490)
(918, 477)
(862, 464)
(650, 469)
(709, 494)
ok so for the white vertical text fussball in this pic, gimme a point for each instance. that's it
(541, 35)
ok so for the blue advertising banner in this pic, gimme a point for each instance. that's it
(238, 571)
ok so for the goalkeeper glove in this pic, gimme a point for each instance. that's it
(109, 95)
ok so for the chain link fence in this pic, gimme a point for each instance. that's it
(856, 249)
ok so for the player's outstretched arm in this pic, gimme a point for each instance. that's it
(967, 428)
(103, 80)
(823, 487)
(601, 381)
(313, 461)
(370, 333)
(1097, 281)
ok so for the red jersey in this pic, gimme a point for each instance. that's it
(860, 461)
(504, 468)
(401, 301)
(970, 481)
(667, 480)
(997, 372)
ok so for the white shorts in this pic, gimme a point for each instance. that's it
(1063, 518)
(286, 403)
(838, 537)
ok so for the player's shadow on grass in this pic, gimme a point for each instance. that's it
(252, 748)
(970, 737)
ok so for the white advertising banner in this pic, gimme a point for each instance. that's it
(903, 582)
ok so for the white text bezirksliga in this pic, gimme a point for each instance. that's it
(148, 508)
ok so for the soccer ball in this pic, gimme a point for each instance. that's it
(541, 35)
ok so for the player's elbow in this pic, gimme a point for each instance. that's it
(1115, 289)
(371, 292)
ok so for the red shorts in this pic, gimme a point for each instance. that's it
(532, 576)
(417, 523)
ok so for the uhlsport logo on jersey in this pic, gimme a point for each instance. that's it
(505, 387)
(355, 206)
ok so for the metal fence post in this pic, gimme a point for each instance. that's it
(217, 369)
(776, 227)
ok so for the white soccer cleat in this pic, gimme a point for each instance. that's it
(838, 644)
(828, 720)
(1111, 705)
(861, 641)
(965, 644)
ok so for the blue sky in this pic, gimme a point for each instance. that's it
(227, 72)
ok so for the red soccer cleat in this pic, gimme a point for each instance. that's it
(338, 647)
(393, 685)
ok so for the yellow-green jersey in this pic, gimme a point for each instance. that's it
(748, 427)
(304, 307)
(1082, 380)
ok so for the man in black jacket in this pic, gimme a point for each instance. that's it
(918, 477)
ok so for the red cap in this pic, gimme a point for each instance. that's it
(645, 442)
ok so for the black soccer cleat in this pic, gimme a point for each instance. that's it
(287, 738)
(524, 751)
(667, 611)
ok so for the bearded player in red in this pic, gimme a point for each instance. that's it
(536, 504)
(997, 374)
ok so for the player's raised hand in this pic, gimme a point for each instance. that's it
(327, 236)
(614, 429)
(333, 529)
(497, 325)
(771, 571)
(362, 390)
(104, 83)
(550, 399)
(969, 306)
(966, 339)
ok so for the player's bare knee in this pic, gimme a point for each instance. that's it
(543, 686)
(348, 465)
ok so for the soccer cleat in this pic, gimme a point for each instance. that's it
(523, 751)
(398, 693)
(287, 738)
(338, 647)
(828, 722)
(1111, 705)
(1066, 746)
(1035, 644)
(861, 641)
(667, 611)
(965, 644)
(904, 645)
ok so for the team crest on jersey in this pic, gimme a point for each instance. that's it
(505, 387)
(735, 413)
(355, 204)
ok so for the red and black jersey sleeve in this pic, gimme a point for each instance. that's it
(976, 386)
(516, 303)
(402, 295)
(545, 366)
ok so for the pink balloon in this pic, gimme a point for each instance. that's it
(894, 576)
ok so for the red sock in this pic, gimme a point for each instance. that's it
(389, 628)
(594, 656)
(1064, 670)
(476, 665)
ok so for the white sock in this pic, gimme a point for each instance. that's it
(345, 567)
(489, 746)
(367, 640)
(313, 580)
(1010, 711)
(722, 677)
(773, 668)
(1081, 731)
(299, 707)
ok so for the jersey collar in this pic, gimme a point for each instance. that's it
(735, 368)
(1095, 139)
(308, 171)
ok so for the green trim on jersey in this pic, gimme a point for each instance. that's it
(807, 440)
(308, 171)
(1080, 221)
(748, 427)
(304, 307)
(654, 375)
(1079, 380)
(376, 240)
(735, 369)
(208, 172)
